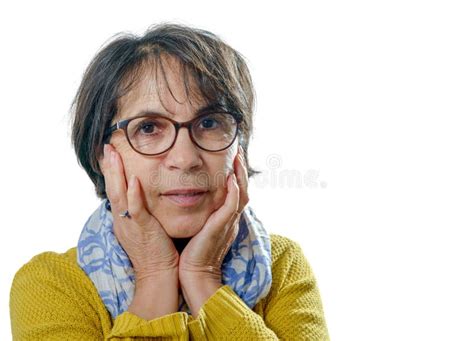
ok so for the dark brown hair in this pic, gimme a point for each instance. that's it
(218, 70)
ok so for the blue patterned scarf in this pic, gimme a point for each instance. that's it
(246, 267)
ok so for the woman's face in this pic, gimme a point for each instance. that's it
(184, 166)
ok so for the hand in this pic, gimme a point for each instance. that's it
(146, 243)
(201, 259)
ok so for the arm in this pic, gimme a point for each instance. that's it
(156, 296)
(292, 310)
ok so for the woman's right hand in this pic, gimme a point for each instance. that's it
(148, 246)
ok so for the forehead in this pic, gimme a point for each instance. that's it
(161, 87)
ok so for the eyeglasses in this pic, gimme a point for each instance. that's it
(153, 134)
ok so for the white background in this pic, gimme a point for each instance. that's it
(374, 99)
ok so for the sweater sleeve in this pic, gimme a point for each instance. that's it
(128, 326)
(292, 310)
(51, 299)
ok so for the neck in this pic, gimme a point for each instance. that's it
(180, 243)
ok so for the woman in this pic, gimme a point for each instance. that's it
(161, 125)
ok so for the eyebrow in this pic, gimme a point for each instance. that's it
(153, 112)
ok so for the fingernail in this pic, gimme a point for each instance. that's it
(241, 150)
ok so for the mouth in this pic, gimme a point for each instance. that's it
(185, 197)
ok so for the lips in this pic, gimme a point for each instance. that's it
(185, 197)
(185, 191)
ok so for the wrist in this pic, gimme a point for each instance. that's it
(203, 277)
(155, 295)
(196, 292)
(152, 279)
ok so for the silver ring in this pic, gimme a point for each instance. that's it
(125, 214)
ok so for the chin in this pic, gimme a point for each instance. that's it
(177, 233)
(186, 222)
(184, 227)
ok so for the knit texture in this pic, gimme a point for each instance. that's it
(53, 299)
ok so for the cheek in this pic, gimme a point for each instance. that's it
(143, 169)
(148, 173)
(222, 167)
(229, 158)
(126, 155)
(228, 164)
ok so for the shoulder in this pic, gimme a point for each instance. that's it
(51, 279)
(51, 265)
(51, 290)
(283, 247)
(289, 263)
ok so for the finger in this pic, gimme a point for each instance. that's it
(229, 238)
(115, 183)
(231, 203)
(242, 181)
(229, 210)
(136, 205)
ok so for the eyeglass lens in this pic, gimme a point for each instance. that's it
(155, 134)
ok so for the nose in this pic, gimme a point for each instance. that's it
(184, 154)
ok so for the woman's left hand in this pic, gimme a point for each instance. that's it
(201, 260)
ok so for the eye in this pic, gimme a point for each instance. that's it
(208, 123)
(147, 127)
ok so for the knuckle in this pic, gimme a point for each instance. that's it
(140, 217)
(235, 210)
(134, 211)
(114, 198)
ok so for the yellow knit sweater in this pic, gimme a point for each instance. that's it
(53, 299)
